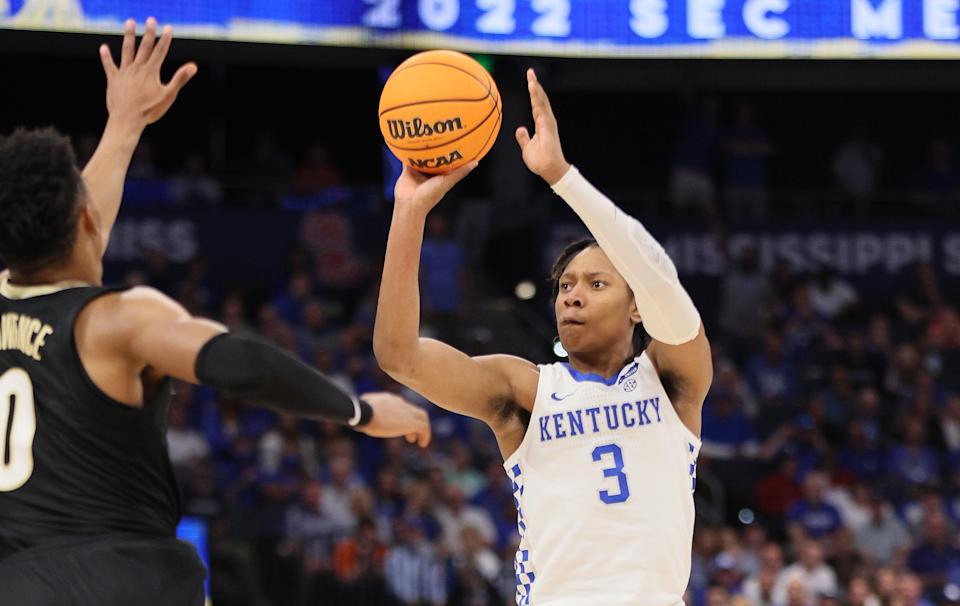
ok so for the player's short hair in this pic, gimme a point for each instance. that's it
(40, 189)
(640, 337)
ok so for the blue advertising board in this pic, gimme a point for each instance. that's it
(913, 29)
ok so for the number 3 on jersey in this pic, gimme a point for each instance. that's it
(18, 423)
(613, 472)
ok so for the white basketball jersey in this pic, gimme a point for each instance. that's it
(603, 483)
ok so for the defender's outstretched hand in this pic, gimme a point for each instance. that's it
(394, 417)
(424, 192)
(134, 89)
(542, 153)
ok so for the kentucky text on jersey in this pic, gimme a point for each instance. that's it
(23, 333)
(599, 418)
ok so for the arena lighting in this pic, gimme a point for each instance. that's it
(952, 592)
(525, 290)
(746, 516)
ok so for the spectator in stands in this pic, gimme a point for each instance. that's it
(759, 588)
(286, 447)
(909, 591)
(934, 557)
(456, 515)
(937, 182)
(771, 561)
(442, 275)
(771, 373)
(818, 518)
(193, 186)
(725, 573)
(338, 494)
(314, 329)
(806, 330)
(727, 431)
(359, 557)
(316, 173)
(917, 302)
(290, 305)
(186, 445)
(744, 298)
(883, 539)
(693, 187)
(746, 150)
(860, 593)
(913, 462)
(807, 578)
(201, 498)
(415, 571)
(145, 185)
(777, 491)
(308, 542)
(856, 165)
(462, 472)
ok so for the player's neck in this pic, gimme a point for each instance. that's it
(70, 271)
(605, 364)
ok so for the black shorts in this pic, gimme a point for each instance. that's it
(107, 571)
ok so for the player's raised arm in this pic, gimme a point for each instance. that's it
(145, 331)
(136, 98)
(669, 316)
(477, 387)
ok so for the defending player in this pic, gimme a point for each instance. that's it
(88, 501)
(601, 451)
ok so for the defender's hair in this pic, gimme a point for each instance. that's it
(40, 188)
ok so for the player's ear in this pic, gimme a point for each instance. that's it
(634, 312)
(89, 219)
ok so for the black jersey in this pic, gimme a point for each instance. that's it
(73, 461)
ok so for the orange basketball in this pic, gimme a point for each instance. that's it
(438, 110)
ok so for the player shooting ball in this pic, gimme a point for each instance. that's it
(601, 450)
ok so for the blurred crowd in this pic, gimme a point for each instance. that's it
(829, 473)
(723, 158)
(830, 467)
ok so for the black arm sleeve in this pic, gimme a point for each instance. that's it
(255, 371)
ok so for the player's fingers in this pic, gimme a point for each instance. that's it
(424, 436)
(163, 46)
(149, 39)
(537, 106)
(109, 67)
(538, 96)
(417, 176)
(183, 75)
(523, 137)
(129, 42)
(411, 438)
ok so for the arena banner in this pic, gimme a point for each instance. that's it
(237, 242)
(853, 251)
(828, 29)
(238, 246)
(246, 246)
(870, 254)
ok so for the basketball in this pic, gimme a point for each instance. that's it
(439, 110)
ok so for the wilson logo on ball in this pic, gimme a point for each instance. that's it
(421, 163)
(417, 128)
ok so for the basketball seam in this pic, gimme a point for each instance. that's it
(496, 106)
(459, 69)
(412, 103)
